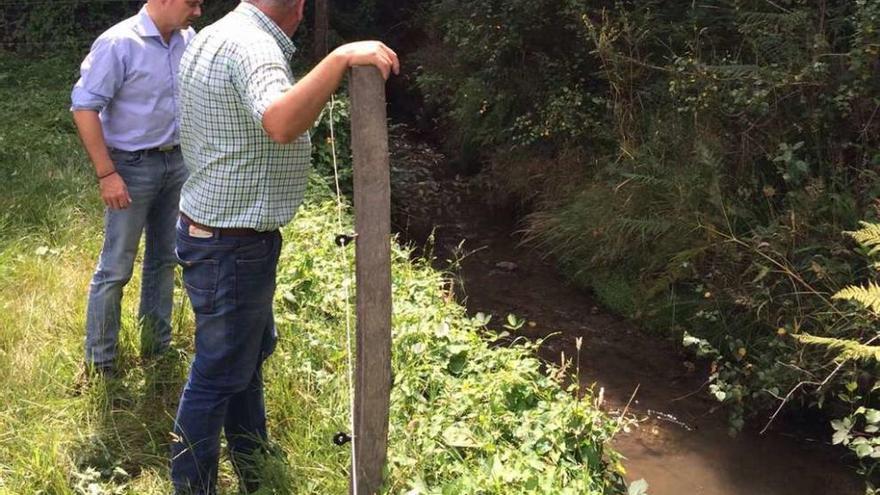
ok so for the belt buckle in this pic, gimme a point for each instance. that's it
(165, 149)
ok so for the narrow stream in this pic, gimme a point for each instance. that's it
(681, 445)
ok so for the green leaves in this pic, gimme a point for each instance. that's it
(841, 431)
(864, 444)
(868, 296)
(331, 143)
(465, 417)
(868, 237)
(457, 359)
(459, 436)
(792, 169)
(860, 430)
(513, 323)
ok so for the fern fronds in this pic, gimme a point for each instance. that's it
(646, 179)
(868, 236)
(773, 21)
(735, 71)
(847, 350)
(644, 228)
(869, 296)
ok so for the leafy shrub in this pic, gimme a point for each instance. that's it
(856, 357)
(512, 72)
(328, 146)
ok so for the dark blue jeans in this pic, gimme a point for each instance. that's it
(231, 283)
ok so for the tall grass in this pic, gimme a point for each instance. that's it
(465, 418)
(54, 439)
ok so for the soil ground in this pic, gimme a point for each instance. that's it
(681, 444)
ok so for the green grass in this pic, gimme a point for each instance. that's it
(465, 418)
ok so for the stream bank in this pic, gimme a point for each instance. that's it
(681, 444)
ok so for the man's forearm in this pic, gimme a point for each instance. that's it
(295, 111)
(91, 133)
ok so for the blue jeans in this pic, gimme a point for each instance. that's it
(153, 179)
(231, 284)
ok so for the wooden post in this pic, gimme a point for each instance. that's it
(372, 206)
(322, 29)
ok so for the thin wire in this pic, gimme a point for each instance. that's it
(346, 286)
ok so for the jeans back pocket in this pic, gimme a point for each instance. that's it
(255, 266)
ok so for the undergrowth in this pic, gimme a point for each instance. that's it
(465, 418)
(722, 148)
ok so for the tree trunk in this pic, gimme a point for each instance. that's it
(322, 28)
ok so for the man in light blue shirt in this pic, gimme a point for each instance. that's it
(125, 109)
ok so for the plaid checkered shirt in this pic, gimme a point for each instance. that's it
(229, 75)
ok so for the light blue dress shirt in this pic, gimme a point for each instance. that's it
(130, 78)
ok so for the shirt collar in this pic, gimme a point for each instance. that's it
(144, 25)
(266, 24)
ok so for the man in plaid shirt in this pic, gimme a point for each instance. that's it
(244, 138)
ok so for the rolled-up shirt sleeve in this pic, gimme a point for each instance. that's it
(101, 75)
(260, 76)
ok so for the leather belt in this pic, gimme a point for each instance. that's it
(162, 149)
(158, 149)
(222, 231)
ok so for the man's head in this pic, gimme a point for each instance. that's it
(286, 13)
(169, 15)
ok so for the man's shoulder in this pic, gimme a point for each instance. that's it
(237, 33)
(124, 30)
(237, 46)
(257, 47)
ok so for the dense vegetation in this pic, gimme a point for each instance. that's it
(695, 164)
(465, 417)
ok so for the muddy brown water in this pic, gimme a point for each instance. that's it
(680, 444)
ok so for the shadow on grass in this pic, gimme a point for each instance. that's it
(134, 417)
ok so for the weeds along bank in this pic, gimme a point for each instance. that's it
(464, 418)
(696, 165)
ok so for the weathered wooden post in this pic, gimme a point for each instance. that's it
(372, 205)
